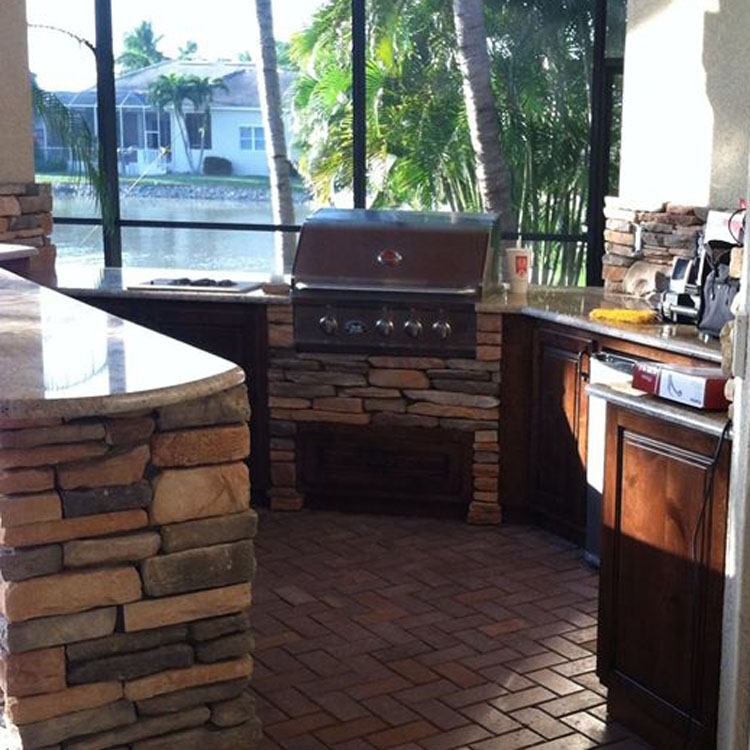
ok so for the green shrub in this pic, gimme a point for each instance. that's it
(217, 166)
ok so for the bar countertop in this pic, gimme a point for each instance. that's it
(563, 305)
(711, 422)
(62, 358)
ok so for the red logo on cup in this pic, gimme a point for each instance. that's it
(522, 264)
(390, 258)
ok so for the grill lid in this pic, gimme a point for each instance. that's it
(398, 251)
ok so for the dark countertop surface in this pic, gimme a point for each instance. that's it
(84, 281)
(710, 422)
(571, 306)
(566, 306)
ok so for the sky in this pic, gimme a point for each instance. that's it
(222, 29)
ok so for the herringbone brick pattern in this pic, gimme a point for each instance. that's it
(380, 632)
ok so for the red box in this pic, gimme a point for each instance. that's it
(699, 387)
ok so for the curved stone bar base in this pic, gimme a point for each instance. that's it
(126, 535)
(126, 561)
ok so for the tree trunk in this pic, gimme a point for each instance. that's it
(282, 201)
(492, 171)
(199, 167)
(182, 128)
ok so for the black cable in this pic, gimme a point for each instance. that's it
(696, 556)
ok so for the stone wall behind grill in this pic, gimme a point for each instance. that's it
(126, 563)
(432, 393)
(641, 242)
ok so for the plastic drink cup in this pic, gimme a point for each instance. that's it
(518, 269)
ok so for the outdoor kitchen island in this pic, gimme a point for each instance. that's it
(126, 534)
(534, 364)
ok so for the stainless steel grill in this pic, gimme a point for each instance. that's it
(393, 281)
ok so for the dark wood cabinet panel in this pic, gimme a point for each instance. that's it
(662, 573)
(559, 430)
(404, 467)
(516, 416)
(236, 332)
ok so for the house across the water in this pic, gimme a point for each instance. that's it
(149, 137)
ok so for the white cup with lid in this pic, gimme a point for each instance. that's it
(518, 268)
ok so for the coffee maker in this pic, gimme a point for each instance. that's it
(683, 300)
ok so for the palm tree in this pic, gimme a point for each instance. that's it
(492, 172)
(282, 202)
(141, 48)
(188, 51)
(419, 148)
(174, 90)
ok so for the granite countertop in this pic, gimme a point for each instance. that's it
(62, 358)
(711, 422)
(571, 306)
(118, 282)
(17, 252)
(566, 305)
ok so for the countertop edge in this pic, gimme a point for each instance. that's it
(184, 372)
(628, 334)
(250, 298)
(119, 403)
(710, 423)
(17, 252)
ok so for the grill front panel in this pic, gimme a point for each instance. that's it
(364, 326)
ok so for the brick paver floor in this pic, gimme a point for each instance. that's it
(378, 632)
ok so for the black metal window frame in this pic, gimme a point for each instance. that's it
(603, 73)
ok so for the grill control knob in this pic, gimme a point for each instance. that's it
(384, 326)
(328, 324)
(442, 328)
(413, 328)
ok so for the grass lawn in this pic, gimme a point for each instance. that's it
(181, 179)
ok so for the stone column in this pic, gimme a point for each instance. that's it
(126, 563)
(16, 139)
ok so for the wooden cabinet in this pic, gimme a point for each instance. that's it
(557, 477)
(385, 469)
(662, 570)
(544, 381)
(234, 331)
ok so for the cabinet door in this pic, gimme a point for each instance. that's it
(661, 607)
(559, 424)
(385, 468)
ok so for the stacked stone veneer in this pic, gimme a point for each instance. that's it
(424, 392)
(126, 564)
(643, 241)
(26, 219)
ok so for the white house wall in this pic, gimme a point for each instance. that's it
(225, 141)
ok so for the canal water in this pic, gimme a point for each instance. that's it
(173, 248)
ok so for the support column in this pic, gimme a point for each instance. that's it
(16, 144)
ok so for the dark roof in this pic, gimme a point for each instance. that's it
(239, 79)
